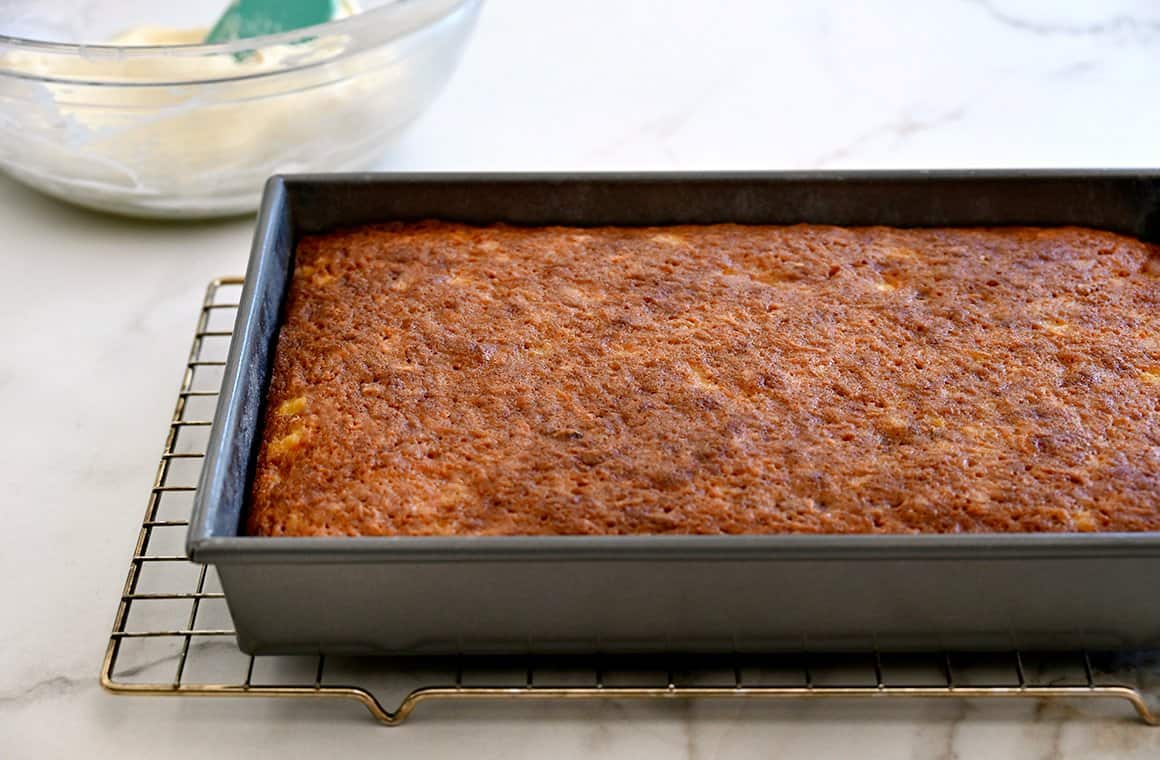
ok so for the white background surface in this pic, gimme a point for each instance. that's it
(96, 315)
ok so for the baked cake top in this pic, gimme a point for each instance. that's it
(438, 378)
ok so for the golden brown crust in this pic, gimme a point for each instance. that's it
(442, 379)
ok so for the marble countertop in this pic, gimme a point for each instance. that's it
(96, 313)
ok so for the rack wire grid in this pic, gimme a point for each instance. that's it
(172, 634)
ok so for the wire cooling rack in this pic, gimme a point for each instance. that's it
(172, 634)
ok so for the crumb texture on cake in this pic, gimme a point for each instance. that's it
(437, 378)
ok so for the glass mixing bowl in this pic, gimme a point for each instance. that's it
(193, 130)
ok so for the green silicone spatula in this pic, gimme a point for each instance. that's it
(254, 18)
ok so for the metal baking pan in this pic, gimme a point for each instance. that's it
(420, 595)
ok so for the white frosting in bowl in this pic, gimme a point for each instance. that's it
(186, 132)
